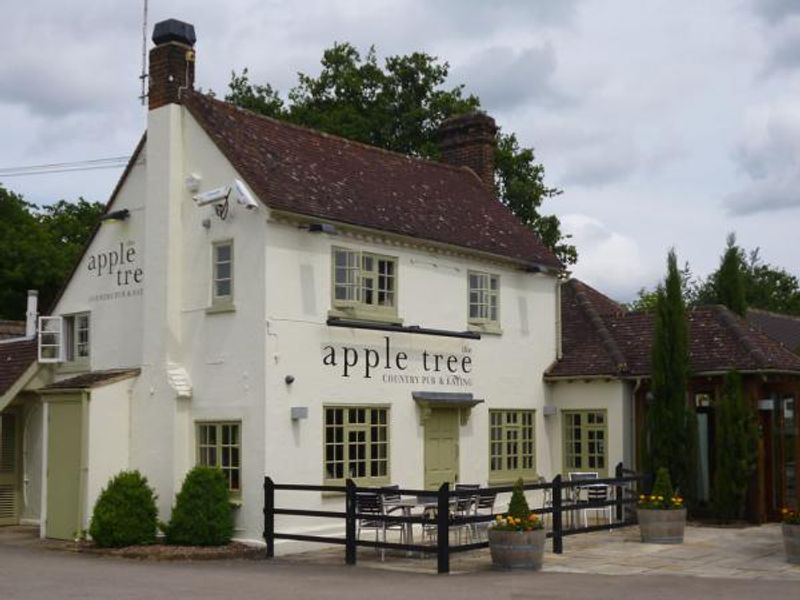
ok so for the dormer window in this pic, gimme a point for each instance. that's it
(76, 338)
(65, 339)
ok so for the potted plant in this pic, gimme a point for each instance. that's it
(791, 535)
(662, 513)
(516, 539)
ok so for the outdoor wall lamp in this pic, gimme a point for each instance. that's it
(117, 215)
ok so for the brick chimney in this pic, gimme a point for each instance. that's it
(171, 62)
(469, 141)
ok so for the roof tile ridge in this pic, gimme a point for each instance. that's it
(324, 134)
(599, 325)
(735, 324)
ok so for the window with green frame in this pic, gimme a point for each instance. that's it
(220, 445)
(585, 441)
(512, 446)
(364, 283)
(484, 298)
(356, 444)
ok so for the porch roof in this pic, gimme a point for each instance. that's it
(92, 379)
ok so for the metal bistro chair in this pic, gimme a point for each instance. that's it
(371, 504)
(576, 493)
(547, 500)
(390, 495)
(484, 505)
(599, 492)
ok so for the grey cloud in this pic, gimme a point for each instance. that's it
(602, 164)
(775, 11)
(784, 52)
(505, 78)
(765, 196)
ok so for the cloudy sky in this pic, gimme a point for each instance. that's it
(666, 123)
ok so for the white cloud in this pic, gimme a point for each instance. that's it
(609, 260)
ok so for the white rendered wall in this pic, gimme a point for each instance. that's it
(108, 438)
(589, 395)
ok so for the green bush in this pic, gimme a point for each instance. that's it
(663, 484)
(125, 512)
(202, 514)
(518, 506)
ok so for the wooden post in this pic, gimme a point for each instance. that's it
(618, 492)
(269, 516)
(350, 523)
(443, 529)
(558, 541)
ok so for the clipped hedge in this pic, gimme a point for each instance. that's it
(125, 513)
(202, 515)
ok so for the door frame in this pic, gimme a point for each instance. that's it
(455, 415)
(61, 396)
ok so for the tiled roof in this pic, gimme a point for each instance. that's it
(620, 344)
(93, 379)
(11, 329)
(307, 172)
(15, 358)
(780, 327)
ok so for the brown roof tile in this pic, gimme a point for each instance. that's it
(93, 379)
(303, 171)
(15, 358)
(780, 327)
(719, 341)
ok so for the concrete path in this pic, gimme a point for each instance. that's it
(31, 570)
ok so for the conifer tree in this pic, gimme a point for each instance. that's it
(729, 281)
(735, 454)
(671, 439)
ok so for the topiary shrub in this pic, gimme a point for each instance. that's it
(202, 514)
(125, 512)
(518, 506)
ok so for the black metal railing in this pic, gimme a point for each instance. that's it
(625, 483)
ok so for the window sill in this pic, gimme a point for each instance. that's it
(361, 315)
(221, 307)
(235, 502)
(511, 478)
(487, 328)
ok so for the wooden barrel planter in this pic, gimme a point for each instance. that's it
(791, 543)
(517, 549)
(661, 526)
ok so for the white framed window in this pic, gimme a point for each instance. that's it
(50, 340)
(364, 283)
(219, 444)
(222, 272)
(484, 298)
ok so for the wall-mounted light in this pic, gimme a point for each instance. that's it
(117, 215)
(322, 228)
(289, 379)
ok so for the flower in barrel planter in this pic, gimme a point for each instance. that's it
(662, 513)
(791, 535)
(516, 539)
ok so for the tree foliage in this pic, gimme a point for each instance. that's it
(670, 432)
(735, 453)
(518, 505)
(38, 247)
(399, 106)
(728, 282)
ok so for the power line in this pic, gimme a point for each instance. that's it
(113, 162)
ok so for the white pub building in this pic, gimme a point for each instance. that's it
(278, 301)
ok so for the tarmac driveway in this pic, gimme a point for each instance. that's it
(30, 570)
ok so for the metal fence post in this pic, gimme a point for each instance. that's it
(269, 516)
(558, 542)
(618, 491)
(350, 523)
(443, 529)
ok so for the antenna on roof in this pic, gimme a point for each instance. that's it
(143, 76)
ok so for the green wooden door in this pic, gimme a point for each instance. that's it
(441, 447)
(9, 468)
(64, 427)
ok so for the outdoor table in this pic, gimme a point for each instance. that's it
(407, 504)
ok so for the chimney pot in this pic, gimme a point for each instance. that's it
(171, 62)
(31, 313)
(469, 141)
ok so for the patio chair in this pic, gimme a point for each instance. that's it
(484, 505)
(576, 493)
(599, 492)
(547, 500)
(371, 505)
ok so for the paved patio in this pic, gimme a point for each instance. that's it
(732, 553)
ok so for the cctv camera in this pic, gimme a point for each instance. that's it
(243, 195)
(212, 196)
